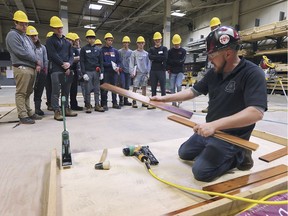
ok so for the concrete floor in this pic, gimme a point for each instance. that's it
(26, 149)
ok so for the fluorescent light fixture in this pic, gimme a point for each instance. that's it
(90, 26)
(107, 2)
(179, 14)
(95, 7)
(90, 18)
(31, 21)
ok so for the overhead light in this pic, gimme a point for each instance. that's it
(90, 18)
(95, 7)
(90, 26)
(107, 2)
(179, 14)
(31, 21)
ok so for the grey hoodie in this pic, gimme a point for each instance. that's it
(21, 48)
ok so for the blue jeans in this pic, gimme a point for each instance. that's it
(176, 82)
(213, 157)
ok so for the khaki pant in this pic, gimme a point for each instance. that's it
(25, 78)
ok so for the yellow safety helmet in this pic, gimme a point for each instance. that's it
(140, 39)
(268, 62)
(176, 39)
(157, 36)
(20, 16)
(31, 30)
(90, 33)
(55, 22)
(215, 21)
(70, 36)
(108, 35)
(49, 34)
(76, 36)
(98, 42)
(126, 39)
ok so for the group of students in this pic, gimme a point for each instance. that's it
(236, 87)
(91, 65)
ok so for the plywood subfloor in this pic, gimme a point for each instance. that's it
(128, 189)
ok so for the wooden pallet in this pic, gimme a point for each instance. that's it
(146, 100)
(220, 135)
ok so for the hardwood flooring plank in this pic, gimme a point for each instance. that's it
(220, 135)
(274, 155)
(146, 100)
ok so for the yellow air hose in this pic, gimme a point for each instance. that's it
(284, 202)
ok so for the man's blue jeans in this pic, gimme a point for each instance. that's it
(213, 157)
(176, 82)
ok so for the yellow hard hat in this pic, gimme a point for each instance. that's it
(268, 62)
(90, 33)
(176, 39)
(108, 35)
(140, 39)
(215, 21)
(126, 39)
(31, 30)
(98, 42)
(55, 22)
(49, 34)
(20, 16)
(70, 36)
(157, 36)
(76, 36)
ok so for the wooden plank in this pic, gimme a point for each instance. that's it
(274, 155)
(237, 191)
(146, 100)
(220, 135)
(270, 137)
(271, 52)
(51, 206)
(224, 187)
(232, 207)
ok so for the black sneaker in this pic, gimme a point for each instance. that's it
(247, 162)
(27, 120)
(116, 106)
(35, 117)
(39, 112)
(77, 108)
(127, 103)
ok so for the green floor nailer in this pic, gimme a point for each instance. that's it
(66, 153)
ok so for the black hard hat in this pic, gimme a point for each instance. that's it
(222, 37)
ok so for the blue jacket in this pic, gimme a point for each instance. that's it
(59, 50)
(110, 54)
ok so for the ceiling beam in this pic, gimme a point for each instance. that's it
(134, 12)
(143, 13)
(20, 5)
(35, 11)
(83, 13)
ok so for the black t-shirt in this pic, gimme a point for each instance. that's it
(245, 86)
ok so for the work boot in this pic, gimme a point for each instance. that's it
(144, 105)
(57, 115)
(77, 108)
(88, 108)
(247, 162)
(98, 108)
(116, 106)
(121, 102)
(39, 112)
(205, 110)
(35, 117)
(105, 107)
(27, 120)
(150, 107)
(49, 107)
(70, 113)
(126, 102)
(134, 104)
